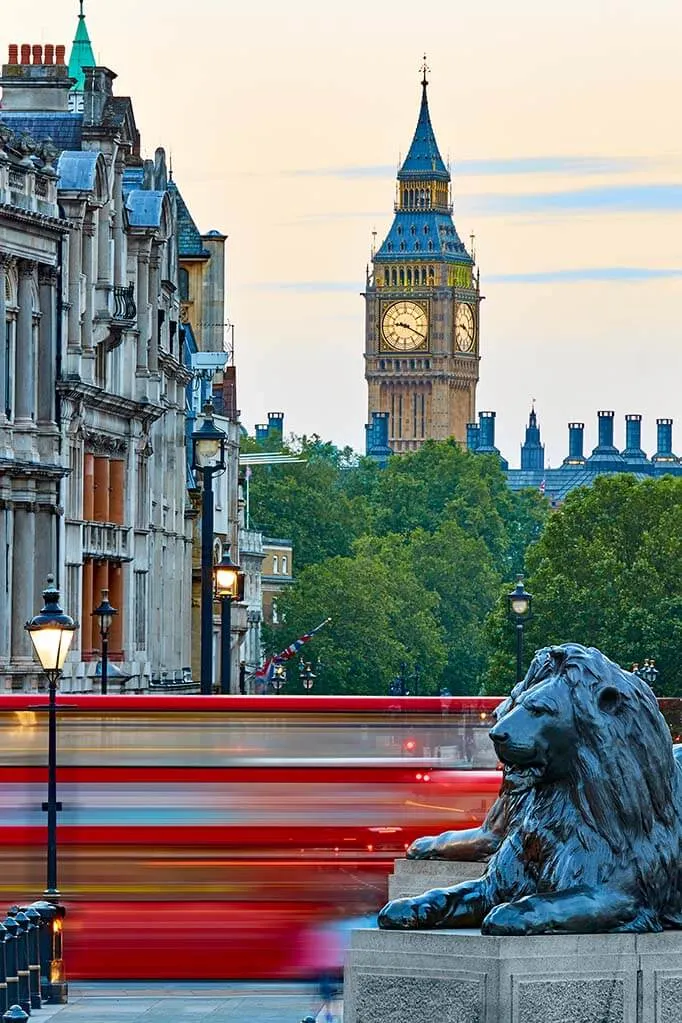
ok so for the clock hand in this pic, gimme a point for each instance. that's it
(408, 327)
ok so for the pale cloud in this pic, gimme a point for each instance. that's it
(574, 275)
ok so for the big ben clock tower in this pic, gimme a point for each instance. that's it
(422, 307)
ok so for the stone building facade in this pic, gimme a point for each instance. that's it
(93, 479)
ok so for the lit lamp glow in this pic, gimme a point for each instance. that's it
(519, 604)
(208, 458)
(229, 585)
(52, 633)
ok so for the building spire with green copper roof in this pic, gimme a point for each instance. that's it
(81, 53)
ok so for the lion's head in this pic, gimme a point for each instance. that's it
(578, 718)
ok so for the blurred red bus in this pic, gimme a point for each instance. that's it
(219, 837)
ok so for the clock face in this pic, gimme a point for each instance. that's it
(465, 328)
(404, 326)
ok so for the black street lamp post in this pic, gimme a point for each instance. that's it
(105, 612)
(51, 633)
(208, 458)
(229, 586)
(649, 671)
(518, 604)
(279, 678)
(306, 674)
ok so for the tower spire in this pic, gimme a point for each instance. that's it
(82, 55)
(424, 70)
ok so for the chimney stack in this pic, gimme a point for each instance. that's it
(35, 86)
(664, 452)
(575, 444)
(633, 439)
(473, 436)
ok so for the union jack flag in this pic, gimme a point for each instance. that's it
(266, 672)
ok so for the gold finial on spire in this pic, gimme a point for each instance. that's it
(424, 70)
(374, 242)
(81, 15)
(472, 238)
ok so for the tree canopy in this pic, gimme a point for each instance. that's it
(606, 572)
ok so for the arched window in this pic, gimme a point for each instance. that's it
(394, 276)
(386, 276)
(430, 246)
(431, 272)
(402, 246)
(416, 246)
(402, 275)
(275, 564)
(426, 228)
(400, 230)
(285, 565)
(413, 230)
(409, 275)
(183, 284)
(423, 275)
(389, 247)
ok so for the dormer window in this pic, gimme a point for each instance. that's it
(400, 230)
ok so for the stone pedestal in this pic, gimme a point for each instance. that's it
(413, 877)
(464, 977)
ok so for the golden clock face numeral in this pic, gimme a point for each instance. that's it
(465, 328)
(405, 326)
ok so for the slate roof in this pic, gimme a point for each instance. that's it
(65, 130)
(423, 159)
(190, 245)
(77, 171)
(144, 208)
(413, 231)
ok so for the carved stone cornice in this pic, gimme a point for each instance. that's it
(18, 468)
(48, 275)
(174, 369)
(27, 267)
(10, 212)
(98, 442)
(102, 401)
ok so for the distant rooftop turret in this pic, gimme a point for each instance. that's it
(633, 440)
(664, 452)
(606, 454)
(486, 445)
(575, 444)
(532, 450)
(81, 57)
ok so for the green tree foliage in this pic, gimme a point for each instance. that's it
(382, 616)
(440, 522)
(606, 572)
(309, 502)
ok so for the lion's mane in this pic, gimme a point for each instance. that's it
(616, 818)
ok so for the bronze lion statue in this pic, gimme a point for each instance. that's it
(586, 835)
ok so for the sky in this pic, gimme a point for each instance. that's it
(286, 122)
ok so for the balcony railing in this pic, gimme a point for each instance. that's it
(125, 309)
(106, 540)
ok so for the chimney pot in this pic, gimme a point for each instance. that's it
(49, 53)
(25, 53)
(60, 52)
(37, 54)
(13, 54)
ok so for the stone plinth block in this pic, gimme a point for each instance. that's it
(412, 877)
(465, 977)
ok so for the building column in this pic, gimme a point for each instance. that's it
(103, 245)
(142, 306)
(23, 588)
(4, 266)
(5, 592)
(154, 284)
(119, 234)
(86, 629)
(116, 600)
(88, 273)
(102, 484)
(25, 355)
(74, 339)
(47, 355)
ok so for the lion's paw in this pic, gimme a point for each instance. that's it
(419, 913)
(510, 918)
(421, 848)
